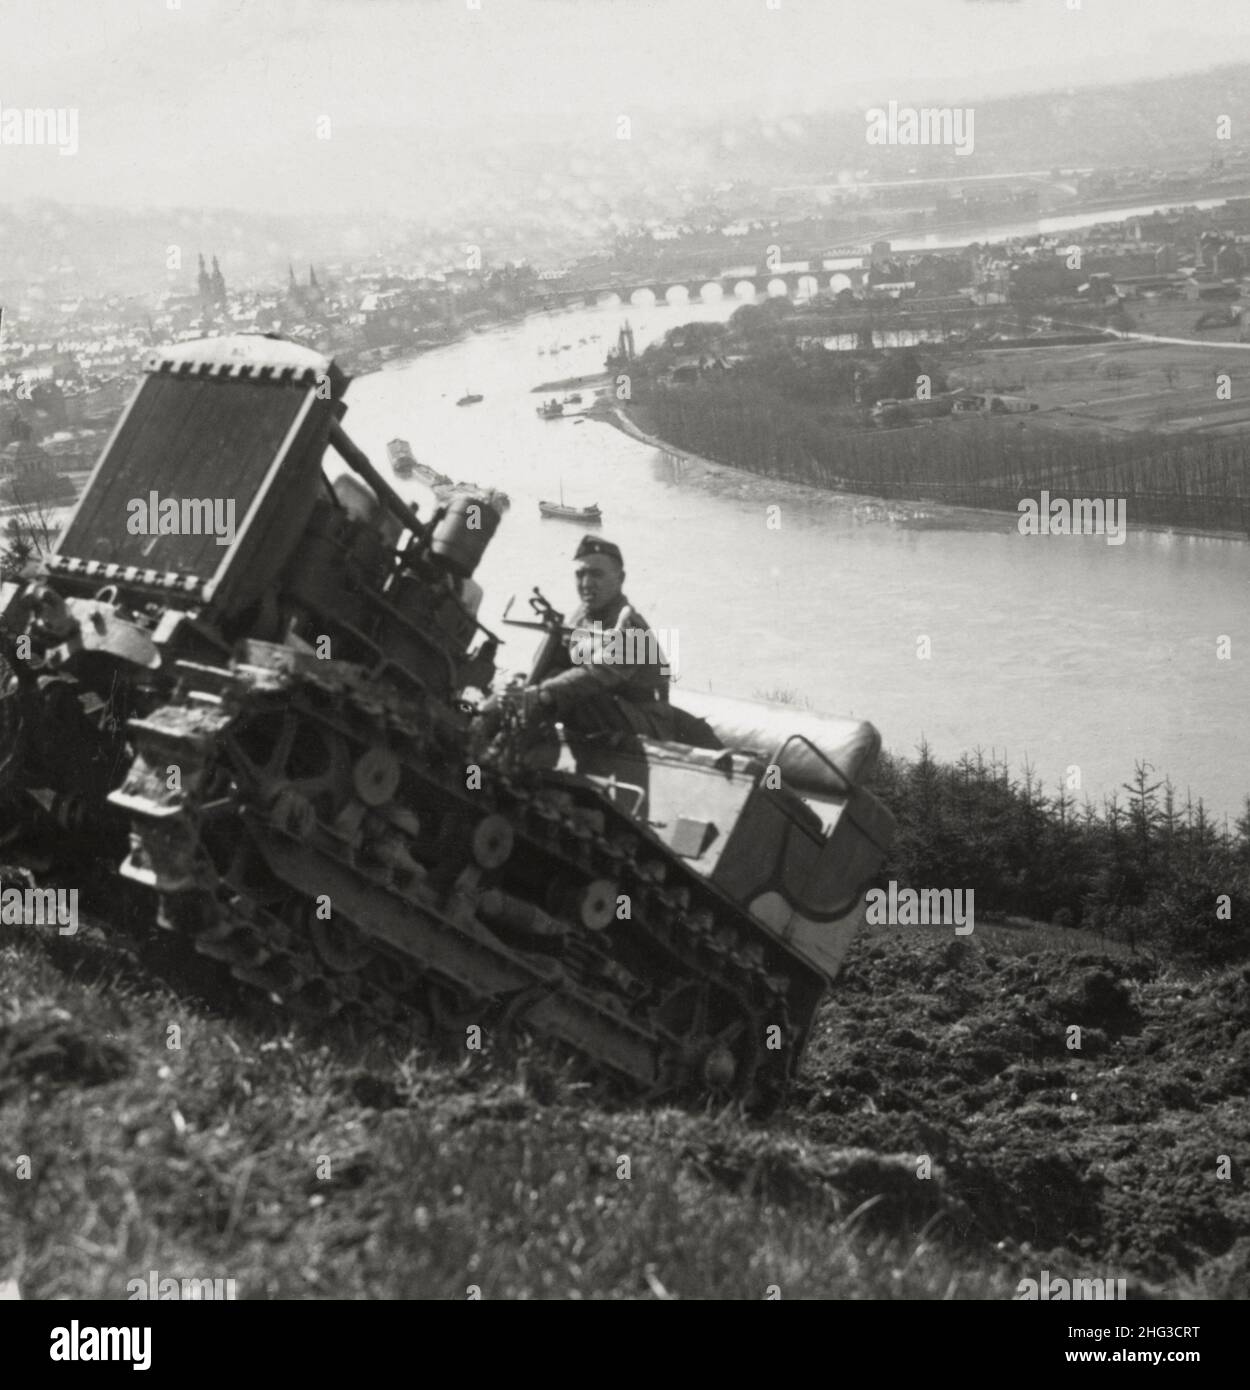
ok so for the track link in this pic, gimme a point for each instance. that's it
(323, 841)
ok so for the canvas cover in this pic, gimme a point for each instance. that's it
(760, 728)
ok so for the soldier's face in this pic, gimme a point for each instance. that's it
(599, 580)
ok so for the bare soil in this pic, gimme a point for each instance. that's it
(943, 1140)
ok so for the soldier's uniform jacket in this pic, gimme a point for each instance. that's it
(608, 652)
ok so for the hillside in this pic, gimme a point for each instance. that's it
(204, 1161)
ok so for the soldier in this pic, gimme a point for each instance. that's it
(610, 675)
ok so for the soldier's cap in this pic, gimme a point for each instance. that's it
(596, 545)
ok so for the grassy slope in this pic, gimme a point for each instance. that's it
(203, 1161)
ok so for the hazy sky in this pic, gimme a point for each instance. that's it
(217, 101)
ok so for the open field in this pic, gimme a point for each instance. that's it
(304, 1165)
(1118, 388)
(1178, 318)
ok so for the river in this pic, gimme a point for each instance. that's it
(1063, 651)
(1050, 225)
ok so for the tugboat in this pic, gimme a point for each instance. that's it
(550, 410)
(559, 511)
(469, 399)
(402, 461)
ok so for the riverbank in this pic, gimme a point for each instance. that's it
(926, 509)
(727, 480)
(357, 371)
(573, 383)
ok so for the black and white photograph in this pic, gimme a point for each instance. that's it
(624, 664)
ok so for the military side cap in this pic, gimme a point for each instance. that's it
(596, 545)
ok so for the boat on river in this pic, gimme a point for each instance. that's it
(550, 410)
(399, 451)
(431, 477)
(469, 399)
(558, 511)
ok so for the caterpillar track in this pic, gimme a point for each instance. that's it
(283, 718)
(269, 810)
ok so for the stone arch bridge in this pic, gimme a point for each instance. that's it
(746, 286)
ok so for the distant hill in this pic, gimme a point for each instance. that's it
(549, 191)
(88, 249)
(1150, 123)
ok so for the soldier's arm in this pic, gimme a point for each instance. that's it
(551, 657)
(581, 683)
(600, 672)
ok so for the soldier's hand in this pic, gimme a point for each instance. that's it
(531, 705)
(490, 714)
(528, 704)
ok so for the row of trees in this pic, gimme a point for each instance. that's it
(769, 348)
(1142, 868)
(796, 416)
